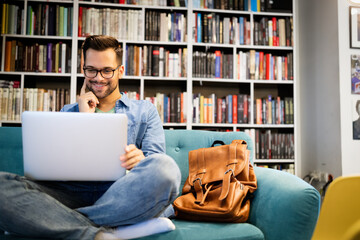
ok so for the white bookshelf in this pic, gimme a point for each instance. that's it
(189, 84)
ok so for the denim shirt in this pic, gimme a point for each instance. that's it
(144, 125)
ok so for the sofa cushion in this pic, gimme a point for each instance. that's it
(205, 231)
(11, 150)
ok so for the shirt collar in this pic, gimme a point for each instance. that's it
(124, 99)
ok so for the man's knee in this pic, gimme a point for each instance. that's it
(167, 170)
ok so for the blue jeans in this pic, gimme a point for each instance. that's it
(78, 210)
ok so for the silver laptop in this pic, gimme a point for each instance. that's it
(73, 146)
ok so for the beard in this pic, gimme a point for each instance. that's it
(100, 94)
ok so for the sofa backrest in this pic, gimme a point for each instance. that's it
(178, 145)
(180, 142)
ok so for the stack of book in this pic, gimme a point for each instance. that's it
(49, 19)
(11, 16)
(215, 28)
(118, 23)
(52, 57)
(274, 32)
(166, 27)
(274, 110)
(9, 84)
(172, 108)
(230, 109)
(155, 61)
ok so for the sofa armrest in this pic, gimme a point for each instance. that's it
(284, 206)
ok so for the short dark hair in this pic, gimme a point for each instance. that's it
(101, 43)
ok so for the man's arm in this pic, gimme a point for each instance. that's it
(153, 140)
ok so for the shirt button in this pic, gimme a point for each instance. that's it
(177, 149)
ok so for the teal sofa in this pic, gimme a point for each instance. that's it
(283, 207)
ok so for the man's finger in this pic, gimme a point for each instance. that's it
(83, 88)
(130, 148)
(132, 153)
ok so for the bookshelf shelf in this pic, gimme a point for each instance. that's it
(53, 1)
(104, 4)
(262, 47)
(38, 74)
(272, 126)
(174, 124)
(217, 45)
(275, 14)
(229, 12)
(218, 80)
(181, 44)
(248, 90)
(222, 125)
(272, 81)
(164, 78)
(44, 37)
(267, 161)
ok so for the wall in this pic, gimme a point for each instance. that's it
(350, 148)
(319, 97)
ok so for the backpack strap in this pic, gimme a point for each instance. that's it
(231, 166)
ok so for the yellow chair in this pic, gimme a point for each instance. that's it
(340, 212)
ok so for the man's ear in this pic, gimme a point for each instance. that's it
(121, 71)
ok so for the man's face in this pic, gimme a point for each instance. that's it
(99, 60)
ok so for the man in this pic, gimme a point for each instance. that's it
(89, 210)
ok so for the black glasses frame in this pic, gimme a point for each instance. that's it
(97, 71)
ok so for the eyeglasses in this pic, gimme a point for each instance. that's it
(105, 73)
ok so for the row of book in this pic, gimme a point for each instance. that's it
(230, 109)
(52, 57)
(216, 28)
(155, 61)
(11, 21)
(242, 5)
(273, 145)
(255, 65)
(274, 110)
(289, 168)
(274, 31)
(118, 23)
(172, 108)
(264, 66)
(49, 20)
(34, 99)
(166, 27)
(212, 64)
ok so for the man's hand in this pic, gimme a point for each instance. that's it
(132, 157)
(87, 100)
